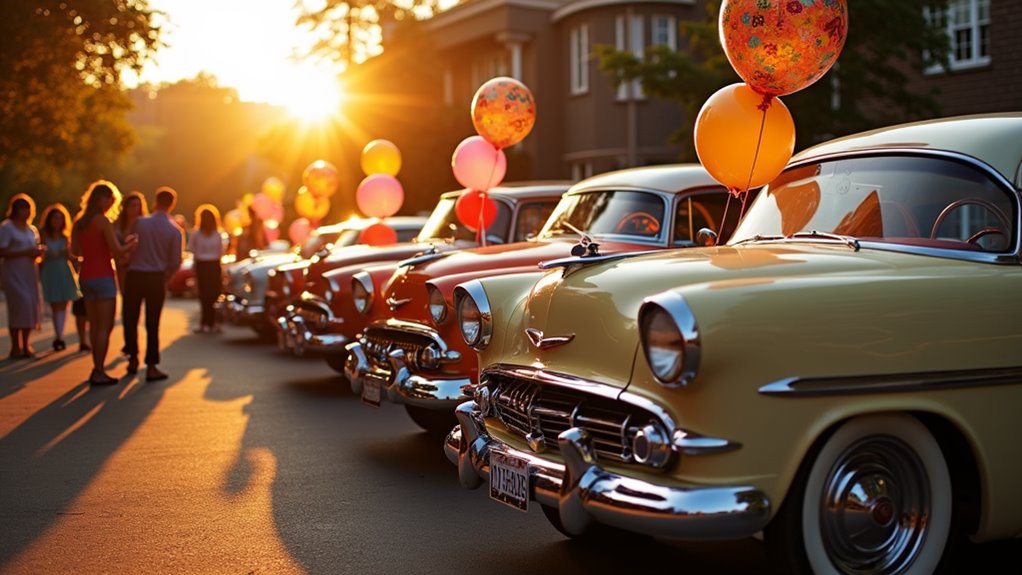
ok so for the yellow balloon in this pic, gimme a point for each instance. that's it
(309, 205)
(273, 187)
(743, 138)
(381, 157)
(233, 221)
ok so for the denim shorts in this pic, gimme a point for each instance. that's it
(99, 288)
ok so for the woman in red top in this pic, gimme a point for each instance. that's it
(94, 240)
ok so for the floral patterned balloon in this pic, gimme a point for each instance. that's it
(503, 111)
(781, 46)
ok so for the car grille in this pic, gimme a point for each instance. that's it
(313, 318)
(527, 407)
(380, 342)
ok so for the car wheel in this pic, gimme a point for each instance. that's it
(336, 362)
(874, 498)
(596, 533)
(436, 422)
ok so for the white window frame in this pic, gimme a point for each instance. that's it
(620, 37)
(964, 16)
(579, 59)
(637, 37)
(663, 23)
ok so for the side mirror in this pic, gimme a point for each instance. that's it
(706, 237)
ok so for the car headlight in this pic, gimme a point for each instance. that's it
(670, 339)
(437, 304)
(362, 292)
(474, 317)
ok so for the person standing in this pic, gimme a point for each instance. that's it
(20, 248)
(253, 236)
(206, 242)
(133, 207)
(94, 241)
(160, 243)
(60, 284)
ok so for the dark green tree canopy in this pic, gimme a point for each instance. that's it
(888, 44)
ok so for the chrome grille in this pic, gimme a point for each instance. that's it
(314, 318)
(380, 342)
(527, 407)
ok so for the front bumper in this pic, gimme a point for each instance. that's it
(584, 493)
(401, 385)
(299, 336)
(228, 308)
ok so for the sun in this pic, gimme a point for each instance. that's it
(312, 94)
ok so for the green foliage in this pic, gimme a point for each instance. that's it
(869, 87)
(61, 108)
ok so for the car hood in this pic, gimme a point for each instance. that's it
(758, 291)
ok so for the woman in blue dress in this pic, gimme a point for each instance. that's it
(56, 273)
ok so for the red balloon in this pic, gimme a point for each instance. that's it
(379, 235)
(469, 206)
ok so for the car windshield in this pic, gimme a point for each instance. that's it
(622, 214)
(925, 201)
(443, 224)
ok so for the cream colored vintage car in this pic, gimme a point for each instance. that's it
(843, 377)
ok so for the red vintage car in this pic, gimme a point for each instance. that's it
(412, 351)
(321, 319)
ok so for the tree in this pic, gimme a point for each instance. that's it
(61, 104)
(888, 43)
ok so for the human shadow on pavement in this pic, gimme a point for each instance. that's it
(52, 456)
(15, 374)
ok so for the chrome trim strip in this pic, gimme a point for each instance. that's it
(585, 493)
(892, 383)
(539, 341)
(474, 289)
(675, 305)
(437, 394)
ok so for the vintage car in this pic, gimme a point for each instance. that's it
(322, 320)
(256, 306)
(842, 377)
(411, 351)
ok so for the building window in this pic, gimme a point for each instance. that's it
(968, 28)
(629, 35)
(664, 31)
(579, 54)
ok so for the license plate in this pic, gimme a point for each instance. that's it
(509, 480)
(371, 392)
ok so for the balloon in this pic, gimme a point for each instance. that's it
(742, 138)
(469, 206)
(272, 234)
(781, 47)
(309, 205)
(273, 187)
(262, 205)
(320, 177)
(233, 221)
(299, 230)
(379, 196)
(477, 164)
(503, 111)
(379, 235)
(381, 157)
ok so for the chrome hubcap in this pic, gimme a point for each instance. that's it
(876, 506)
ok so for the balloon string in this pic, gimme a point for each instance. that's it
(727, 204)
(765, 105)
(481, 235)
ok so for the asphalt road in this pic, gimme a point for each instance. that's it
(250, 461)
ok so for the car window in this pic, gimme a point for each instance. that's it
(633, 214)
(911, 200)
(697, 211)
(531, 217)
(406, 234)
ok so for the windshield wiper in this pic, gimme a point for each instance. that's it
(847, 240)
(759, 238)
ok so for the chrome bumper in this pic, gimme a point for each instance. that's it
(228, 308)
(294, 335)
(401, 386)
(585, 493)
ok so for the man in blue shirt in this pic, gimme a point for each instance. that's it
(160, 243)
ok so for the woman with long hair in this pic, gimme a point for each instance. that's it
(60, 284)
(20, 248)
(206, 243)
(133, 207)
(93, 239)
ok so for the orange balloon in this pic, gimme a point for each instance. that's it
(781, 47)
(309, 205)
(503, 111)
(378, 234)
(320, 177)
(742, 138)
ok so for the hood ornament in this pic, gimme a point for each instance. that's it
(541, 342)
(394, 303)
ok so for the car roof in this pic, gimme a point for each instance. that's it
(396, 222)
(517, 191)
(667, 178)
(993, 138)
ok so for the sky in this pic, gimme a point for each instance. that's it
(247, 45)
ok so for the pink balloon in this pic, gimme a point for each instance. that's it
(262, 205)
(379, 196)
(478, 164)
(299, 230)
(276, 211)
(272, 234)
